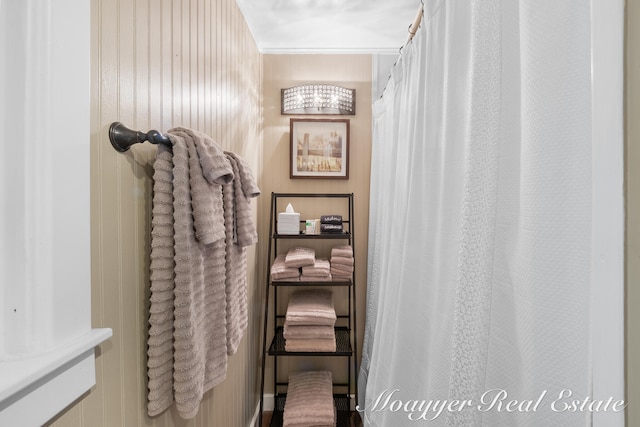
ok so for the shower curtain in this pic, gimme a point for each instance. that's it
(480, 239)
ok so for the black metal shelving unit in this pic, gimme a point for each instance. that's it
(346, 345)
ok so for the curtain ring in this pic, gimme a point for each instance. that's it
(409, 30)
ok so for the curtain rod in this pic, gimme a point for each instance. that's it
(416, 22)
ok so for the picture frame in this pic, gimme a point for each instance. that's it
(319, 148)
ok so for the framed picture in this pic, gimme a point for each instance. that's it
(319, 148)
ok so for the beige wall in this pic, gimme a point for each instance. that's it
(155, 65)
(351, 71)
(632, 177)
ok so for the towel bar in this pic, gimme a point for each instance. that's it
(122, 138)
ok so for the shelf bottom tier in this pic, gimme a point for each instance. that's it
(340, 400)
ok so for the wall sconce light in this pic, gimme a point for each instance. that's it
(318, 99)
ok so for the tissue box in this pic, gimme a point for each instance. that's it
(288, 223)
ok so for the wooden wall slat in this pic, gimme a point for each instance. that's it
(157, 65)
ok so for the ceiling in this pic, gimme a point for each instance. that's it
(329, 26)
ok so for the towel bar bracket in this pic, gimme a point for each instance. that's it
(122, 138)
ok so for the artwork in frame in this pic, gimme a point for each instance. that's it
(319, 148)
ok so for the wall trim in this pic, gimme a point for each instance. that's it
(48, 382)
(268, 406)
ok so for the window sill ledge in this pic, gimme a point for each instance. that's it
(35, 389)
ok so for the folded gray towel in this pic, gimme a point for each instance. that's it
(341, 268)
(299, 257)
(305, 278)
(342, 251)
(341, 260)
(280, 271)
(309, 400)
(308, 332)
(321, 268)
(310, 345)
(311, 307)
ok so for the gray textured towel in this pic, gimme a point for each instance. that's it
(280, 271)
(240, 232)
(309, 400)
(305, 278)
(200, 347)
(341, 260)
(321, 268)
(337, 267)
(308, 332)
(310, 345)
(160, 342)
(309, 338)
(299, 257)
(342, 251)
(311, 307)
(191, 290)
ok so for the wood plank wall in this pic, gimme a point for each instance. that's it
(157, 64)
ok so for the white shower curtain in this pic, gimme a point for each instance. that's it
(480, 240)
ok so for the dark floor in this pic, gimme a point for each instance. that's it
(355, 419)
